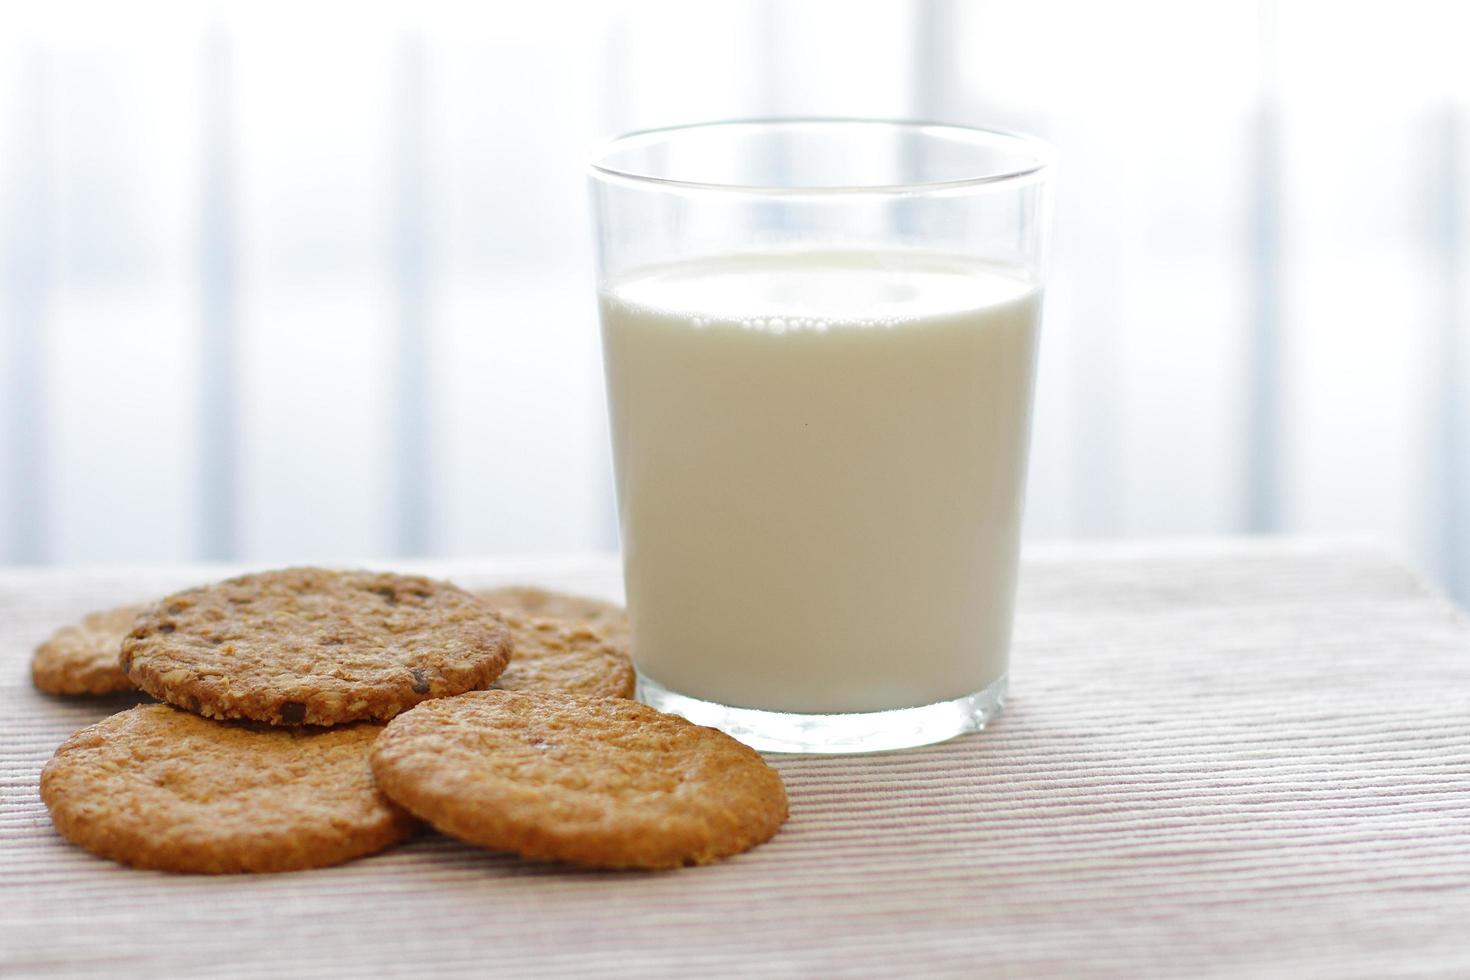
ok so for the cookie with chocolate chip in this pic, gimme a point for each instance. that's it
(313, 646)
(82, 658)
(604, 782)
(566, 658)
(607, 618)
(155, 787)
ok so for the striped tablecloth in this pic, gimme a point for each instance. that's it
(1222, 758)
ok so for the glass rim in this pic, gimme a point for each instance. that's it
(1040, 150)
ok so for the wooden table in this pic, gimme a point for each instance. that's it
(1221, 758)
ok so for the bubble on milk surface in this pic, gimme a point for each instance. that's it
(802, 293)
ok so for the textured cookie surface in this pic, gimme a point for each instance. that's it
(595, 781)
(556, 656)
(316, 647)
(160, 788)
(83, 658)
(609, 619)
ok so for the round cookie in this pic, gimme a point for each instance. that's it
(566, 658)
(82, 658)
(594, 781)
(609, 619)
(160, 788)
(316, 647)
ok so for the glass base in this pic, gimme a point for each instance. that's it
(868, 731)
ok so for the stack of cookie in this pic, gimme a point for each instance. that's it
(505, 727)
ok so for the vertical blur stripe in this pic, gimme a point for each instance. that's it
(219, 388)
(27, 279)
(1263, 260)
(413, 470)
(1446, 208)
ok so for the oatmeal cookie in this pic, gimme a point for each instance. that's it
(83, 658)
(155, 787)
(607, 618)
(603, 782)
(564, 657)
(315, 647)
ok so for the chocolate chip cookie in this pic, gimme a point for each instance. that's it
(313, 646)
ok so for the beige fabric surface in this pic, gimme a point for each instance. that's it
(1227, 758)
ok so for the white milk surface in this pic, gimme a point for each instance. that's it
(820, 463)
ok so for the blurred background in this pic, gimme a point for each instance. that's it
(306, 281)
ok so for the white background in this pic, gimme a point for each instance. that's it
(313, 281)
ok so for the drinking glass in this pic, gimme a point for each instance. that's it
(820, 340)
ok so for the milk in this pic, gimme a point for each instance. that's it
(820, 459)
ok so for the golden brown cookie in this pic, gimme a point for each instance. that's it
(82, 658)
(316, 647)
(594, 781)
(156, 787)
(609, 619)
(566, 658)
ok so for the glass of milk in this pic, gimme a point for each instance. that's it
(820, 341)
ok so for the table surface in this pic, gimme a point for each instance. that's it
(1220, 758)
